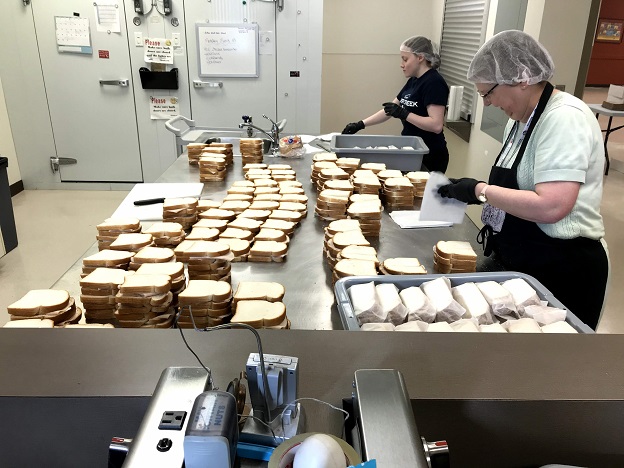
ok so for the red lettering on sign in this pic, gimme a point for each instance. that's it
(104, 54)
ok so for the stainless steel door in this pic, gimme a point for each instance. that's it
(223, 106)
(90, 97)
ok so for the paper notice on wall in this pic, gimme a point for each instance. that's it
(266, 45)
(164, 107)
(107, 15)
(158, 51)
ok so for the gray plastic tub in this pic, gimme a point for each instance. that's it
(349, 320)
(354, 146)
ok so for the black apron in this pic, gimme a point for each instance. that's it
(574, 270)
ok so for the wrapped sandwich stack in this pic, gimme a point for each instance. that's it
(166, 234)
(438, 305)
(180, 210)
(54, 305)
(397, 193)
(419, 181)
(259, 304)
(454, 257)
(112, 227)
(205, 259)
(208, 301)
(151, 255)
(144, 301)
(194, 151)
(119, 259)
(98, 291)
(251, 150)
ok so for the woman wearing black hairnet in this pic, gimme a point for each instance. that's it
(542, 200)
(420, 104)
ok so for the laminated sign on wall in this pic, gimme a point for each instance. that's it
(158, 51)
(164, 107)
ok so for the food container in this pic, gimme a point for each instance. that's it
(355, 146)
(350, 322)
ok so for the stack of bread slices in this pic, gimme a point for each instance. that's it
(360, 262)
(402, 266)
(175, 271)
(375, 167)
(256, 174)
(318, 166)
(166, 234)
(332, 204)
(200, 232)
(388, 174)
(419, 181)
(112, 227)
(344, 236)
(144, 301)
(46, 304)
(119, 259)
(206, 260)
(259, 304)
(368, 213)
(208, 301)
(358, 252)
(349, 165)
(454, 257)
(251, 150)
(237, 206)
(282, 172)
(398, 192)
(249, 166)
(98, 291)
(225, 149)
(212, 167)
(180, 210)
(330, 174)
(194, 151)
(366, 181)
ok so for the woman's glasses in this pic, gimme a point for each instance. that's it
(484, 96)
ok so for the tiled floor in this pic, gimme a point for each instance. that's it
(56, 227)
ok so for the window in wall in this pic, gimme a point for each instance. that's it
(463, 32)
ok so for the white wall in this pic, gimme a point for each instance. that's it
(7, 148)
(361, 61)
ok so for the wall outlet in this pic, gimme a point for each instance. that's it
(172, 420)
(138, 39)
(175, 38)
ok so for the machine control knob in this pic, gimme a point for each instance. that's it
(164, 444)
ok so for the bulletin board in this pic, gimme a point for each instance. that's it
(227, 50)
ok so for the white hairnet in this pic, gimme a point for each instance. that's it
(420, 45)
(511, 57)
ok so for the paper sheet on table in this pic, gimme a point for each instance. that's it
(436, 208)
(411, 220)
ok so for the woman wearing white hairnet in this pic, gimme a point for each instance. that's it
(420, 104)
(542, 200)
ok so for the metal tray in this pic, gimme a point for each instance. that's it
(349, 320)
(354, 146)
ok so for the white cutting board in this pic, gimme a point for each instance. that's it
(127, 209)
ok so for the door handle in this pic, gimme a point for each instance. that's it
(207, 84)
(56, 162)
(115, 82)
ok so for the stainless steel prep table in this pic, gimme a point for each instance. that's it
(309, 295)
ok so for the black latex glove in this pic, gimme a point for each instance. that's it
(394, 110)
(353, 127)
(461, 189)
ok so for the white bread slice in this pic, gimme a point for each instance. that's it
(255, 214)
(365, 197)
(153, 255)
(343, 239)
(89, 325)
(338, 184)
(292, 206)
(286, 215)
(264, 205)
(267, 234)
(217, 213)
(39, 302)
(108, 258)
(130, 241)
(267, 196)
(177, 203)
(249, 224)
(456, 250)
(281, 224)
(201, 248)
(235, 205)
(404, 266)
(238, 247)
(235, 233)
(119, 224)
(151, 284)
(205, 291)
(219, 224)
(259, 290)
(342, 225)
(349, 267)
(359, 252)
(334, 196)
(389, 173)
(203, 205)
(173, 269)
(203, 233)
(30, 323)
(165, 229)
(103, 277)
(259, 314)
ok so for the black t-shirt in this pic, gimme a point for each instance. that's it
(416, 95)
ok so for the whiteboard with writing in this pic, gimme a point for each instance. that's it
(227, 49)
